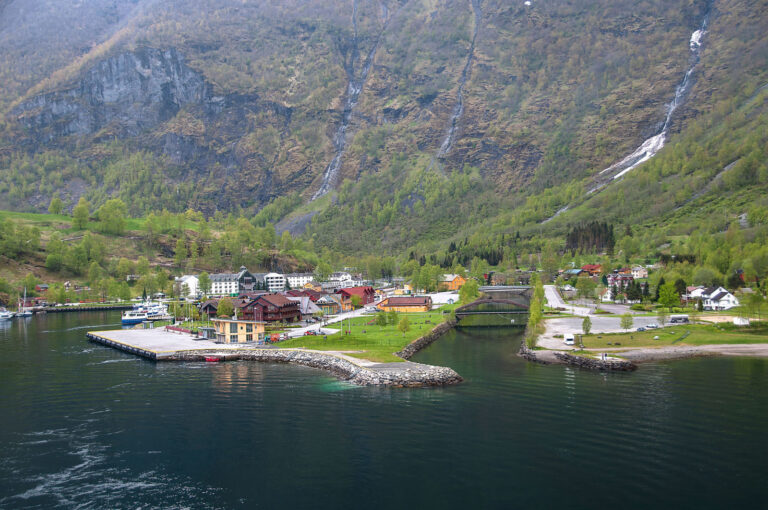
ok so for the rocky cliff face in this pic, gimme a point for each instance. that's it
(136, 90)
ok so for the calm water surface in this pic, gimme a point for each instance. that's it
(85, 426)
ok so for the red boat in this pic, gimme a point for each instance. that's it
(212, 359)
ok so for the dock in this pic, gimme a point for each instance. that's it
(162, 345)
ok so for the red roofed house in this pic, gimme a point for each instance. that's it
(366, 293)
(593, 269)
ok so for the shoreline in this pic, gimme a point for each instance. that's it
(638, 355)
(159, 345)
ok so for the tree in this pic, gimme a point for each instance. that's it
(668, 296)
(204, 282)
(586, 325)
(469, 291)
(585, 287)
(404, 325)
(125, 267)
(392, 317)
(322, 271)
(56, 205)
(627, 321)
(357, 301)
(225, 308)
(381, 319)
(180, 254)
(658, 288)
(81, 213)
(680, 286)
(142, 265)
(112, 216)
(662, 316)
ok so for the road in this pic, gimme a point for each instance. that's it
(555, 300)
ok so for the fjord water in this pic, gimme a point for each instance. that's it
(85, 426)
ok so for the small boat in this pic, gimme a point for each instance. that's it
(212, 359)
(5, 314)
(133, 317)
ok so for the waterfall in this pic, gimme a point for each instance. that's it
(654, 144)
(458, 109)
(355, 85)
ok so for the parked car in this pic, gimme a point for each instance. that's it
(640, 330)
(568, 339)
(652, 326)
(310, 332)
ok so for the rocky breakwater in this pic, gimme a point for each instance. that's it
(595, 364)
(421, 342)
(360, 372)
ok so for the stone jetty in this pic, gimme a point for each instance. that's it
(161, 345)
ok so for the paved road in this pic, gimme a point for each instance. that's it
(293, 333)
(555, 300)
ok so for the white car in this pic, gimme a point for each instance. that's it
(568, 339)
(652, 326)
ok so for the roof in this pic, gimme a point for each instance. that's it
(449, 277)
(306, 306)
(574, 271)
(719, 296)
(277, 300)
(357, 291)
(223, 277)
(409, 301)
(591, 267)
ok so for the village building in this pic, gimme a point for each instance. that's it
(192, 283)
(273, 308)
(366, 293)
(639, 272)
(299, 280)
(406, 304)
(230, 331)
(315, 286)
(619, 280)
(572, 273)
(307, 307)
(451, 281)
(274, 282)
(233, 284)
(592, 269)
(718, 298)
(329, 305)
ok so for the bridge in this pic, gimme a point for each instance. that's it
(497, 306)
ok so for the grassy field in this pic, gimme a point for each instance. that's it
(375, 343)
(699, 334)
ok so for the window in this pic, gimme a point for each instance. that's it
(249, 338)
(233, 339)
(249, 328)
(232, 327)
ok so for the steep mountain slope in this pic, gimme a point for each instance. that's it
(440, 115)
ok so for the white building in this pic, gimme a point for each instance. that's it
(275, 282)
(299, 280)
(224, 284)
(192, 285)
(639, 272)
(717, 298)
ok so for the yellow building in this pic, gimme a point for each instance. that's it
(230, 331)
(452, 281)
(406, 304)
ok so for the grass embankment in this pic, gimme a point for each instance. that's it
(689, 334)
(374, 343)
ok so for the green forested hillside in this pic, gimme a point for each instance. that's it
(475, 122)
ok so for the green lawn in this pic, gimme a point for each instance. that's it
(700, 334)
(376, 343)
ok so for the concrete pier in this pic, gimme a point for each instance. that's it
(161, 345)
